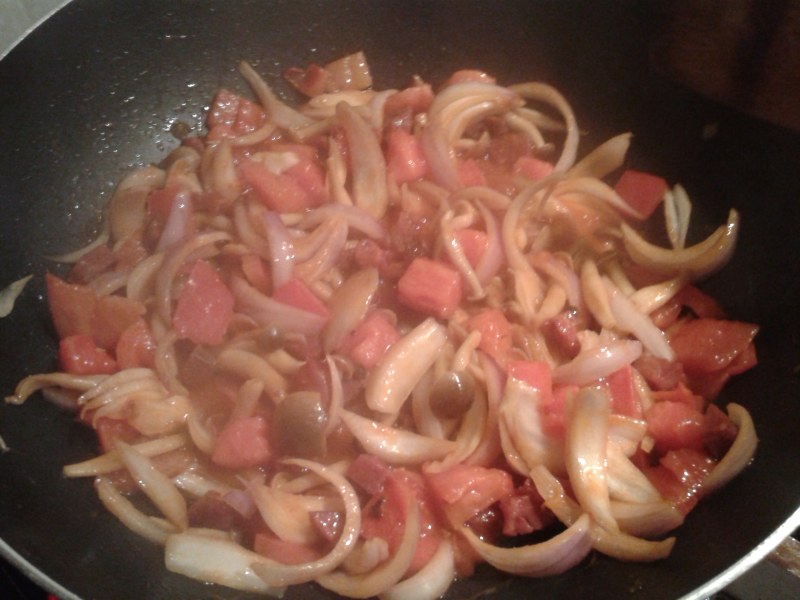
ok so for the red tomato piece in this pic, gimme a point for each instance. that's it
(281, 193)
(309, 176)
(79, 355)
(242, 443)
(369, 473)
(473, 243)
(535, 373)
(689, 467)
(136, 346)
(310, 81)
(431, 287)
(92, 264)
(707, 345)
(625, 400)
(659, 373)
(719, 433)
(71, 306)
(256, 273)
(205, 306)
(232, 115)
(296, 293)
(642, 191)
(470, 173)
(411, 100)
(287, 553)
(464, 491)
(109, 430)
(112, 315)
(533, 168)
(368, 343)
(675, 425)
(681, 394)
(700, 303)
(404, 156)
(469, 76)
(496, 335)
(524, 511)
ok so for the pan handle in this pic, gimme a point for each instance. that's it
(787, 555)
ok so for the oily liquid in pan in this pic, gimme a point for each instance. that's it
(326, 273)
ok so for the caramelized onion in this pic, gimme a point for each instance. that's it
(122, 508)
(603, 160)
(431, 581)
(597, 362)
(740, 453)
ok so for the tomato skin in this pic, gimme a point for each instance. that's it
(642, 191)
(535, 373)
(78, 354)
(242, 443)
(71, 306)
(405, 159)
(464, 491)
(707, 345)
(675, 425)
(624, 398)
(496, 335)
(431, 287)
(368, 343)
(136, 346)
(205, 306)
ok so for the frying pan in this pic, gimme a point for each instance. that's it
(95, 90)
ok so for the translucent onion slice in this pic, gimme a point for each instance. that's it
(651, 297)
(598, 361)
(135, 520)
(286, 514)
(738, 456)
(630, 320)
(606, 158)
(625, 481)
(348, 306)
(594, 188)
(396, 446)
(646, 519)
(33, 383)
(277, 112)
(355, 217)
(391, 381)
(626, 433)
(431, 581)
(585, 454)
(556, 555)
(156, 486)
(387, 574)
(595, 295)
(696, 261)
(251, 366)
(216, 560)
(110, 461)
(74, 256)
(278, 575)
(281, 248)
(677, 214)
(368, 165)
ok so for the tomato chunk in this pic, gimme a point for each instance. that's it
(287, 553)
(473, 243)
(205, 306)
(279, 192)
(675, 425)
(431, 287)
(296, 293)
(464, 491)
(242, 443)
(79, 355)
(404, 156)
(707, 345)
(71, 306)
(496, 336)
(642, 191)
(533, 168)
(371, 339)
(624, 398)
(136, 346)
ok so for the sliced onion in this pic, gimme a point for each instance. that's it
(390, 383)
(489, 448)
(677, 214)
(277, 112)
(122, 508)
(216, 560)
(646, 519)
(127, 208)
(396, 446)
(606, 158)
(177, 226)
(696, 261)
(626, 433)
(652, 297)
(355, 217)
(281, 248)
(33, 383)
(110, 461)
(594, 188)
(586, 456)
(326, 257)
(387, 574)
(630, 320)
(74, 256)
(629, 548)
(596, 362)
(348, 306)
(595, 295)
(251, 366)
(266, 311)
(492, 258)
(276, 574)
(556, 555)
(367, 161)
(156, 486)
(738, 456)
(625, 481)
(431, 581)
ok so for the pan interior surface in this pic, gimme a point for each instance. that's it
(95, 91)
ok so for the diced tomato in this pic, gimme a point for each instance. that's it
(414, 99)
(78, 354)
(642, 191)
(625, 400)
(327, 523)
(496, 335)
(659, 373)
(404, 156)
(310, 81)
(681, 394)
(554, 418)
(368, 343)
(719, 432)
(160, 201)
(368, 472)
(296, 293)
(464, 490)
(533, 168)
(431, 287)
(311, 179)
(688, 468)
(256, 273)
(562, 332)
(469, 76)
(470, 173)
(675, 425)
(287, 553)
(524, 511)
(112, 315)
(92, 264)
(281, 193)
(109, 430)
(700, 303)
(666, 315)
(709, 385)
(205, 306)
(71, 306)
(211, 510)
(473, 243)
(535, 373)
(242, 443)
(136, 346)
(232, 115)
(707, 345)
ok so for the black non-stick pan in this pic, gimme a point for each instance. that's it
(97, 88)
